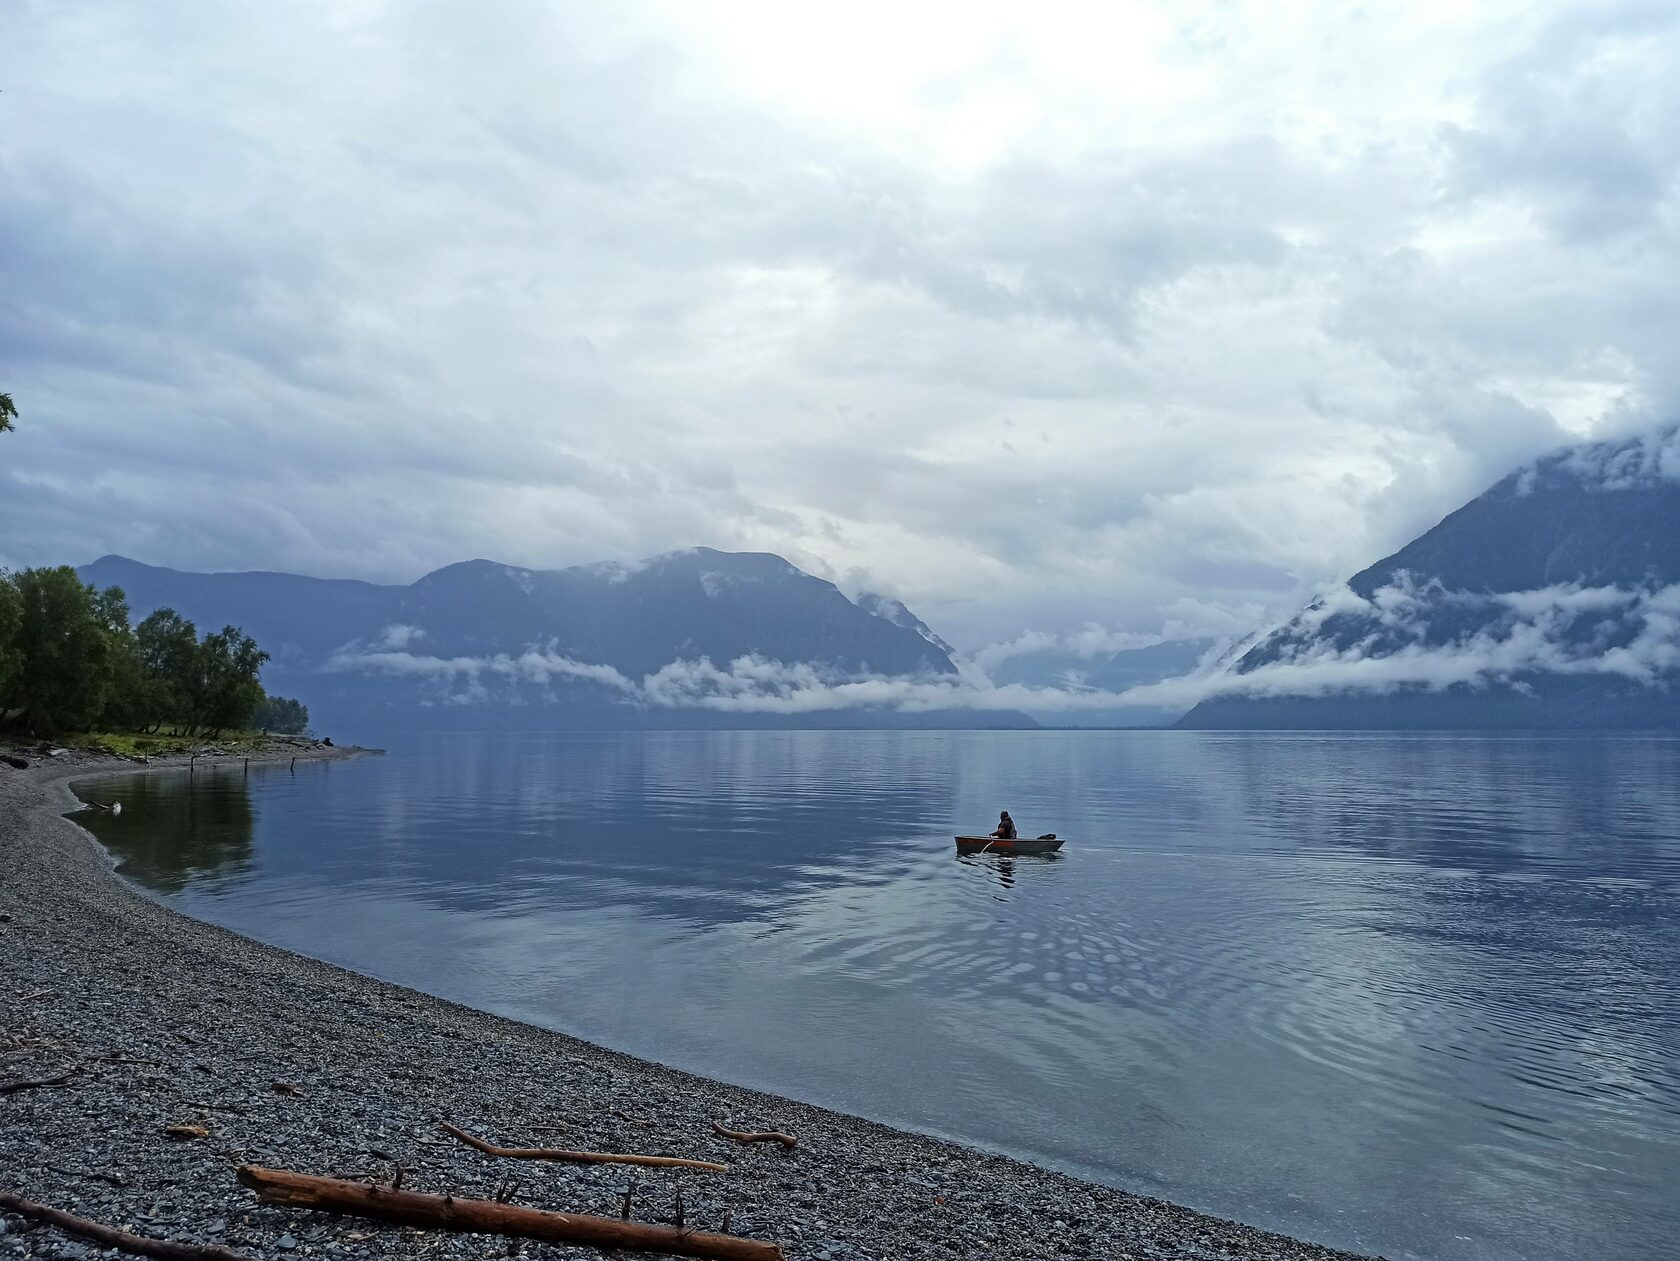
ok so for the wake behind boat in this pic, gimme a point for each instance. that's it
(1011, 845)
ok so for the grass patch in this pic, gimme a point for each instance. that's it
(137, 744)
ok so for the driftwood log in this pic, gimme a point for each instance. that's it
(488, 1217)
(110, 1237)
(755, 1136)
(44, 1083)
(586, 1158)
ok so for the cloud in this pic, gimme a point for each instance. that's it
(1068, 654)
(1164, 305)
(1392, 642)
(397, 636)
(532, 666)
(1090, 642)
(1649, 458)
(1559, 630)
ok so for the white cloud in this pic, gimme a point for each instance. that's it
(1042, 316)
(1536, 634)
(1649, 458)
(532, 666)
(398, 636)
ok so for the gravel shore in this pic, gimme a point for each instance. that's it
(299, 1065)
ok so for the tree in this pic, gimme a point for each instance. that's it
(65, 640)
(124, 676)
(70, 662)
(167, 645)
(281, 714)
(8, 412)
(11, 655)
(229, 689)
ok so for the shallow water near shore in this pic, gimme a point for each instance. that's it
(1407, 994)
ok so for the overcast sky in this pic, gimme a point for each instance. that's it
(1032, 315)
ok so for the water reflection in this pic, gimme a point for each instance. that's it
(176, 829)
(1409, 994)
(1002, 867)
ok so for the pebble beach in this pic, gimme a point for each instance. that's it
(255, 1055)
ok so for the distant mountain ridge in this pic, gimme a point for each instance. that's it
(547, 646)
(1550, 601)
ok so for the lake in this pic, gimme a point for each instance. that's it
(1409, 994)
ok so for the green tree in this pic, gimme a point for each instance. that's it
(8, 412)
(167, 646)
(125, 677)
(66, 637)
(11, 655)
(69, 661)
(229, 689)
(281, 714)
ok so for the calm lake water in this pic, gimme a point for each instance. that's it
(1408, 994)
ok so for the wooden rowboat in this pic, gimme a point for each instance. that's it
(1020, 845)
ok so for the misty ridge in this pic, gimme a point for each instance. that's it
(1552, 600)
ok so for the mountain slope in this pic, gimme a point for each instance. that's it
(481, 641)
(1551, 600)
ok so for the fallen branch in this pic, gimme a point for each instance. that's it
(12, 1087)
(587, 1158)
(110, 1179)
(206, 1106)
(743, 1136)
(445, 1212)
(110, 1237)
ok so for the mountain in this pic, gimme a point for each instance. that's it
(696, 637)
(1059, 663)
(895, 612)
(1550, 601)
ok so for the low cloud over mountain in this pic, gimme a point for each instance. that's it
(594, 643)
(1551, 600)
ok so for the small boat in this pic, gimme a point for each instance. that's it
(1020, 845)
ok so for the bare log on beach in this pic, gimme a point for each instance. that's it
(45, 1083)
(110, 1237)
(489, 1217)
(586, 1158)
(755, 1136)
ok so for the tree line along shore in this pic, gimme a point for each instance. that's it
(71, 662)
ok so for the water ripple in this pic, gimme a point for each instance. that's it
(1409, 994)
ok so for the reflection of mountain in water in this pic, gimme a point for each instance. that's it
(175, 830)
(695, 828)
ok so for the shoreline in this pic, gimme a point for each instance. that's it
(173, 1021)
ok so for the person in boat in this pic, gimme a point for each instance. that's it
(1005, 828)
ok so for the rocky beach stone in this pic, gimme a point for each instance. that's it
(291, 1063)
